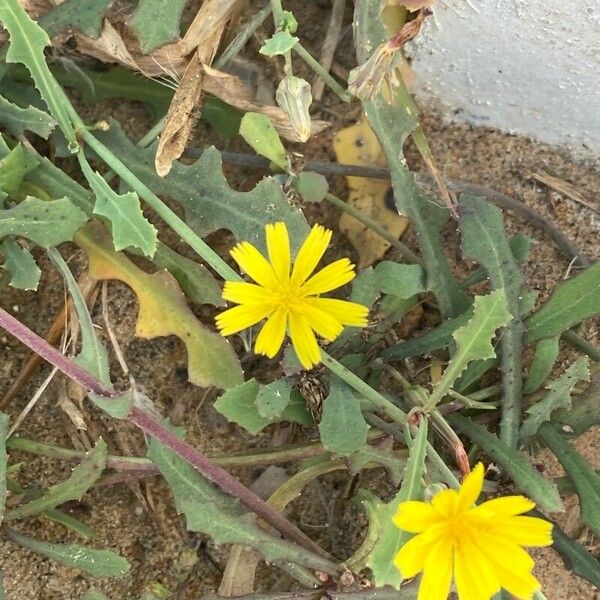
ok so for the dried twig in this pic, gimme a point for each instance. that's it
(562, 187)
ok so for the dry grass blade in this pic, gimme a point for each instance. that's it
(329, 45)
(562, 187)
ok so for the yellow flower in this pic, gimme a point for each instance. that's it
(290, 301)
(479, 547)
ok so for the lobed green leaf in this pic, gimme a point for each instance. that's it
(16, 120)
(23, 270)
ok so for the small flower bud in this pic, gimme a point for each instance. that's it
(293, 95)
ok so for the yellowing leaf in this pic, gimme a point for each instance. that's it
(163, 311)
(358, 145)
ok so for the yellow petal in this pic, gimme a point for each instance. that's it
(471, 488)
(524, 531)
(270, 338)
(251, 261)
(521, 585)
(505, 507)
(437, 573)
(411, 558)
(329, 278)
(240, 317)
(304, 341)
(323, 323)
(414, 516)
(246, 293)
(446, 503)
(310, 253)
(474, 574)
(347, 313)
(278, 245)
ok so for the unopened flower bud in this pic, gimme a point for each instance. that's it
(293, 95)
(365, 81)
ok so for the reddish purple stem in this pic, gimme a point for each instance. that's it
(151, 427)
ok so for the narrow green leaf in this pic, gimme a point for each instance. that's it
(196, 281)
(82, 478)
(571, 302)
(15, 120)
(3, 462)
(343, 429)
(583, 476)
(584, 412)
(272, 399)
(573, 554)
(391, 539)
(473, 340)
(156, 22)
(558, 396)
(93, 356)
(313, 187)
(13, 167)
(404, 281)
(484, 240)
(45, 223)
(24, 272)
(27, 43)
(223, 518)
(129, 226)
(259, 133)
(208, 201)
(280, 43)
(516, 464)
(79, 15)
(99, 563)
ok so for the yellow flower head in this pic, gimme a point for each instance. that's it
(290, 300)
(479, 547)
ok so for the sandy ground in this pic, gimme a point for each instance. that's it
(139, 521)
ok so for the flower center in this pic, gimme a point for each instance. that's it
(288, 295)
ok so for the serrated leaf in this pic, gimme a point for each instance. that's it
(15, 120)
(163, 311)
(280, 43)
(99, 563)
(515, 463)
(391, 539)
(585, 479)
(129, 226)
(584, 412)
(313, 187)
(208, 201)
(273, 398)
(261, 136)
(79, 15)
(404, 281)
(343, 429)
(47, 223)
(196, 281)
(156, 22)
(571, 302)
(558, 396)
(473, 340)
(484, 240)
(13, 167)
(27, 43)
(3, 462)
(223, 518)
(23, 270)
(84, 475)
(238, 405)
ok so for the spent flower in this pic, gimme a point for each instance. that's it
(294, 97)
(289, 297)
(479, 547)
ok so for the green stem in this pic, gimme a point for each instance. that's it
(242, 37)
(166, 214)
(583, 345)
(359, 215)
(377, 401)
(316, 66)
